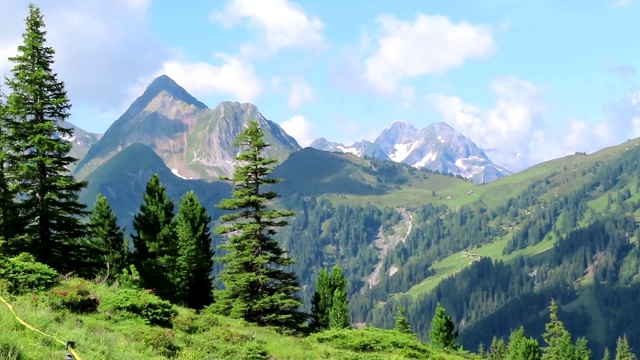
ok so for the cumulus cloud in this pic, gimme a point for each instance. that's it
(280, 23)
(300, 92)
(103, 45)
(516, 134)
(512, 124)
(300, 128)
(233, 77)
(428, 45)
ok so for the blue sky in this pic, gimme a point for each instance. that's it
(539, 78)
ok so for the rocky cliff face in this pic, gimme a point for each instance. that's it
(193, 140)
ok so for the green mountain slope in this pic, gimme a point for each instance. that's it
(108, 335)
(192, 139)
(123, 179)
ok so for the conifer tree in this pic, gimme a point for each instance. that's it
(321, 303)
(107, 238)
(7, 210)
(523, 348)
(442, 333)
(607, 355)
(339, 312)
(37, 163)
(156, 250)
(498, 350)
(402, 325)
(258, 287)
(195, 255)
(582, 349)
(558, 339)
(623, 350)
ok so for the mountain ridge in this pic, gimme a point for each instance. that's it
(438, 147)
(191, 138)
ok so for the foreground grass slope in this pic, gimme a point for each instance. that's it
(108, 334)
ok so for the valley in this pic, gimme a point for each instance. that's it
(403, 233)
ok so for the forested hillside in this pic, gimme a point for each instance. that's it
(570, 234)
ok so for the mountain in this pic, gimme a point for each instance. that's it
(358, 148)
(193, 140)
(123, 179)
(81, 141)
(437, 147)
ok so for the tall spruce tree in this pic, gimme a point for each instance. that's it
(558, 339)
(7, 211)
(37, 163)
(402, 325)
(195, 255)
(156, 250)
(623, 349)
(339, 311)
(258, 287)
(442, 333)
(107, 238)
(321, 302)
(523, 348)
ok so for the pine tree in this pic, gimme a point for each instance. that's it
(558, 339)
(48, 208)
(402, 325)
(607, 355)
(523, 348)
(582, 351)
(156, 250)
(442, 333)
(107, 238)
(623, 350)
(321, 303)
(339, 312)
(7, 208)
(195, 255)
(258, 288)
(498, 350)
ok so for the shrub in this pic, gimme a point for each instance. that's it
(191, 323)
(76, 298)
(143, 304)
(162, 341)
(254, 351)
(373, 340)
(23, 273)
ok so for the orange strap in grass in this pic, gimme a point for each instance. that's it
(71, 350)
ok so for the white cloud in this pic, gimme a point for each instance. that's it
(101, 48)
(234, 77)
(515, 124)
(512, 124)
(281, 23)
(300, 92)
(300, 128)
(428, 45)
(623, 3)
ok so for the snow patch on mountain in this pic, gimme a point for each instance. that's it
(402, 151)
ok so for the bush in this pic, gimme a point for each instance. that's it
(373, 340)
(143, 304)
(23, 273)
(162, 341)
(76, 298)
(191, 323)
(254, 351)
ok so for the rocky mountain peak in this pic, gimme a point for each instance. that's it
(165, 83)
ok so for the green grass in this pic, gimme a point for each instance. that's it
(103, 335)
